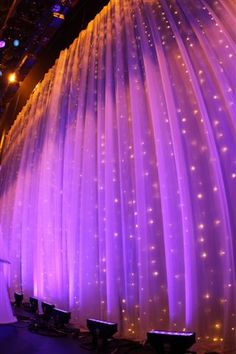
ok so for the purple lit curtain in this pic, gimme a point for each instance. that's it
(118, 178)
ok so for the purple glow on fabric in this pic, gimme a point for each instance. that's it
(184, 334)
(118, 178)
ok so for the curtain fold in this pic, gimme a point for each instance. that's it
(118, 178)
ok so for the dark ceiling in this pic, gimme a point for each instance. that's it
(43, 28)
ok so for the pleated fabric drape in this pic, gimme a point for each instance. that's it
(118, 178)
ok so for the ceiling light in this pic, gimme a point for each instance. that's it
(56, 8)
(16, 42)
(2, 44)
(12, 77)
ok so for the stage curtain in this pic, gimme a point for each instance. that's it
(118, 177)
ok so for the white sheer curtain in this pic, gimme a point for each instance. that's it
(118, 179)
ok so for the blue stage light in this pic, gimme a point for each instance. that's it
(16, 42)
(56, 8)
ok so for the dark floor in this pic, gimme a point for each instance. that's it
(19, 339)
(30, 336)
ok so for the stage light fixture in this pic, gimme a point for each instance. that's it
(16, 43)
(18, 299)
(1, 73)
(56, 8)
(12, 78)
(101, 331)
(34, 304)
(2, 44)
(171, 342)
(59, 15)
(60, 317)
(47, 310)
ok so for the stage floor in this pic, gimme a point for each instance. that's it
(18, 339)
